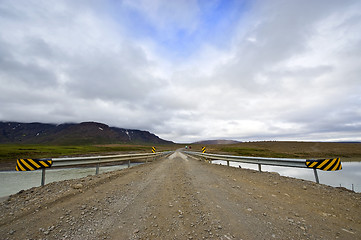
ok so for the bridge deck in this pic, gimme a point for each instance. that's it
(182, 198)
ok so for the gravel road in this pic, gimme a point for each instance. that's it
(182, 198)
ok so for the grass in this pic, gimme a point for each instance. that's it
(257, 152)
(10, 152)
(347, 151)
(308, 150)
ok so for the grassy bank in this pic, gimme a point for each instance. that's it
(347, 151)
(10, 152)
(308, 150)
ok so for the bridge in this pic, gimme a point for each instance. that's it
(180, 197)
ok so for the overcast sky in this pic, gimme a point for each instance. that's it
(186, 70)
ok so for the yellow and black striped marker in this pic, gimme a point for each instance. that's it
(32, 164)
(153, 149)
(325, 164)
(203, 149)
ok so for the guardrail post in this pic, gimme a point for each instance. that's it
(316, 175)
(97, 169)
(259, 167)
(42, 176)
(128, 163)
(228, 163)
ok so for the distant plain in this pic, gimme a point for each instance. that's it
(346, 151)
(10, 152)
(309, 150)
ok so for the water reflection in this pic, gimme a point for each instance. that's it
(350, 173)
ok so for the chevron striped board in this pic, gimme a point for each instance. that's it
(325, 164)
(32, 164)
(204, 149)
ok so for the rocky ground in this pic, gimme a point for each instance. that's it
(182, 198)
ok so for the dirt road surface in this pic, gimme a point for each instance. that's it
(182, 198)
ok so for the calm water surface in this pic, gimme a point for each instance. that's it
(12, 181)
(350, 173)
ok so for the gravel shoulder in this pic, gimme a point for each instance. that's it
(182, 198)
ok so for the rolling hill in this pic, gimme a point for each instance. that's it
(213, 142)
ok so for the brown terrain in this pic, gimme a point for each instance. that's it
(178, 197)
(346, 151)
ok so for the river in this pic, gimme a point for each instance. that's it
(12, 181)
(349, 177)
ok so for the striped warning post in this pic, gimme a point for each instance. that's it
(153, 150)
(325, 164)
(32, 164)
(203, 149)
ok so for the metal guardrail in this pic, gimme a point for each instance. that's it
(65, 162)
(76, 161)
(282, 162)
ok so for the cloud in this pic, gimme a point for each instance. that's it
(186, 70)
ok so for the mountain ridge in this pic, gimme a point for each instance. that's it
(73, 134)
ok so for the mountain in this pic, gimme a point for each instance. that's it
(73, 134)
(212, 142)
